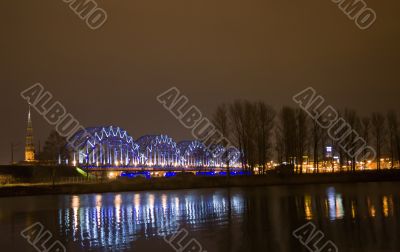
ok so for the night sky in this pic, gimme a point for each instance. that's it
(213, 51)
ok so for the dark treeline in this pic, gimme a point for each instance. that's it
(55, 148)
(248, 126)
(291, 136)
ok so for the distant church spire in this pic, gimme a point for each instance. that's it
(29, 146)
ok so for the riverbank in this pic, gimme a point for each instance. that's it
(192, 182)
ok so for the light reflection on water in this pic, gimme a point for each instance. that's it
(357, 217)
(116, 220)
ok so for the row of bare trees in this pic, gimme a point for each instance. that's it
(248, 126)
(289, 135)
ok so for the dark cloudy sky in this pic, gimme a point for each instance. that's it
(213, 51)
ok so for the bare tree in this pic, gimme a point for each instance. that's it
(301, 137)
(236, 117)
(316, 137)
(352, 140)
(221, 122)
(378, 124)
(279, 144)
(337, 148)
(323, 135)
(394, 138)
(288, 127)
(265, 116)
(242, 115)
(250, 134)
(365, 132)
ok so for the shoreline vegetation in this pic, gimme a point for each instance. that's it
(192, 182)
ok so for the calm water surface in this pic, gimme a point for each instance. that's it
(356, 217)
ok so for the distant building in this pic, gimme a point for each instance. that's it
(29, 146)
(329, 152)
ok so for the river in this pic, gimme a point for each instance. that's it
(355, 217)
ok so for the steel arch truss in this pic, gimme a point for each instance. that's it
(158, 150)
(107, 146)
(110, 146)
(195, 154)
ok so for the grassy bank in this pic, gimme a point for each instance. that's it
(34, 173)
(175, 183)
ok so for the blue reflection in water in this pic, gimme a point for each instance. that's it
(115, 220)
(335, 203)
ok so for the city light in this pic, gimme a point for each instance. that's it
(112, 175)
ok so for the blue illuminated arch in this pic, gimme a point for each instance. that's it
(158, 150)
(106, 146)
(110, 146)
(195, 154)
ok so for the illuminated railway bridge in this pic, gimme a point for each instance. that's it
(111, 147)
